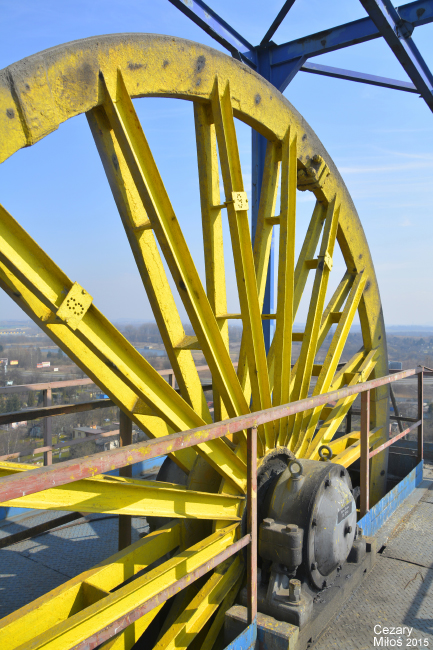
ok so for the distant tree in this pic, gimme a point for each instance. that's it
(59, 354)
(13, 403)
(38, 355)
(1, 348)
(31, 399)
(49, 355)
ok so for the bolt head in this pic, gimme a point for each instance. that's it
(313, 566)
(291, 528)
(294, 590)
(328, 482)
(267, 522)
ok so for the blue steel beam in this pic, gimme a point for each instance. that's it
(350, 75)
(277, 22)
(397, 33)
(359, 31)
(215, 26)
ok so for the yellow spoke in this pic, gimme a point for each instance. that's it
(59, 606)
(218, 621)
(102, 352)
(100, 370)
(332, 312)
(344, 375)
(208, 174)
(112, 606)
(301, 273)
(339, 412)
(242, 252)
(302, 378)
(129, 637)
(127, 128)
(262, 243)
(353, 452)
(311, 418)
(202, 607)
(124, 496)
(286, 263)
(148, 260)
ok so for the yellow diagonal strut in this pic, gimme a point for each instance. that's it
(127, 497)
(38, 618)
(148, 260)
(33, 280)
(242, 252)
(109, 607)
(138, 155)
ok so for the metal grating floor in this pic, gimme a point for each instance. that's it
(33, 567)
(399, 590)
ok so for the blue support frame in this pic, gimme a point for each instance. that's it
(279, 64)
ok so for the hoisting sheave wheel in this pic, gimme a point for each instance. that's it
(100, 76)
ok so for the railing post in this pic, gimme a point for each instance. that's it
(252, 523)
(48, 437)
(125, 438)
(365, 448)
(421, 415)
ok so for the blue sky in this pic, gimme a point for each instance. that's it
(381, 140)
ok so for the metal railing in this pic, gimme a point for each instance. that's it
(48, 410)
(26, 483)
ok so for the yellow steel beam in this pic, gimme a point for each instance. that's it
(286, 270)
(218, 621)
(262, 243)
(129, 637)
(301, 275)
(198, 612)
(311, 418)
(124, 496)
(66, 634)
(332, 315)
(103, 373)
(353, 452)
(115, 357)
(242, 252)
(339, 412)
(208, 174)
(148, 260)
(128, 131)
(302, 378)
(328, 318)
(40, 617)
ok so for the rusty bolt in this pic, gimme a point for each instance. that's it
(294, 591)
(291, 528)
(267, 522)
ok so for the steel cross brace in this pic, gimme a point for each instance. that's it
(280, 63)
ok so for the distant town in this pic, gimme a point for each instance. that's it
(28, 357)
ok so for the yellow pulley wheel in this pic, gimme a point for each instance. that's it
(100, 76)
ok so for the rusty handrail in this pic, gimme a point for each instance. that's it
(17, 485)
